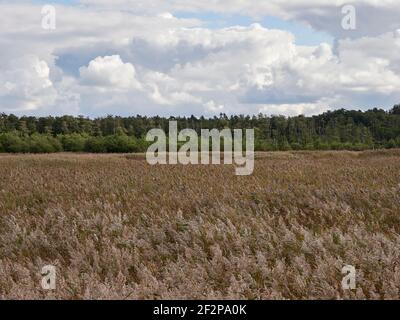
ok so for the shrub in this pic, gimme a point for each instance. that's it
(11, 142)
(120, 144)
(296, 146)
(391, 144)
(44, 144)
(320, 145)
(95, 145)
(73, 142)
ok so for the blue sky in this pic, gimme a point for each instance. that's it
(65, 2)
(305, 35)
(183, 57)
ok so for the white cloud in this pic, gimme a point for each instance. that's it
(144, 59)
(374, 16)
(110, 72)
(295, 109)
(213, 108)
(25, 84)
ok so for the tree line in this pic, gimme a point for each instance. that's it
(332, 130)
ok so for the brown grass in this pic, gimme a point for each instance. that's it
(116, 227)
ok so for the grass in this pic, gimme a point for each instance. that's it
(117, 228)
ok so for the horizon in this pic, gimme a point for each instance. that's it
(386, 110)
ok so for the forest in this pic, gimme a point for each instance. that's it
(334, 130)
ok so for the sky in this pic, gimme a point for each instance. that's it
(184, 57)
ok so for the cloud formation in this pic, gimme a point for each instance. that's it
(25, 84)
(109, 72)
(142, 59)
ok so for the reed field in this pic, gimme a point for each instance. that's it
(117, 228)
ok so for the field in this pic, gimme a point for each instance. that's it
(117, 228)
